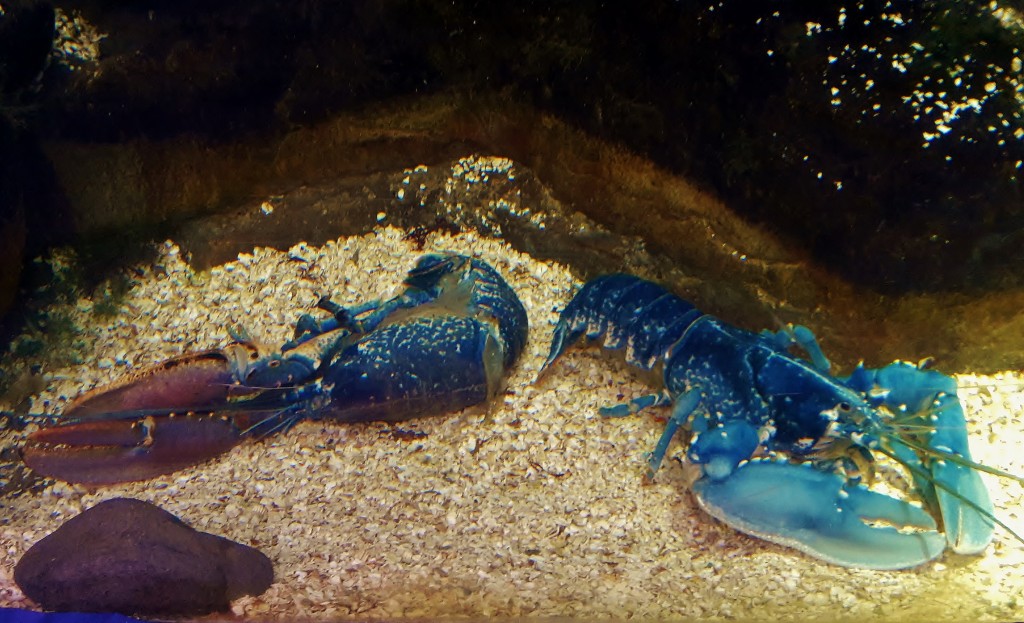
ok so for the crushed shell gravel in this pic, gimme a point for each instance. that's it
(534, 506)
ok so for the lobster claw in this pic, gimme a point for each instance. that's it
(132, 430)
(951, 481)
(195, 381)
(818, 513)
(103, 452)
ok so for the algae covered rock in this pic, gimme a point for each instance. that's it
(131, 557)
(885, 137)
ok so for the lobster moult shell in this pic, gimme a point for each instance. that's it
(443, 343)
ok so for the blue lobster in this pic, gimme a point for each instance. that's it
(444, 343)
(784, 448)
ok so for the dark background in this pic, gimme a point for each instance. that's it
(823, 124)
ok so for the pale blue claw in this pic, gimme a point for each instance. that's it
(963, 500)
(969, 526)
(817, 513)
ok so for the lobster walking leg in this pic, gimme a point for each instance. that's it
(803, 337)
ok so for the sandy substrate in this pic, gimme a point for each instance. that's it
(534, 507)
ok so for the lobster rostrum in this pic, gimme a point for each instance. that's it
(444, 343)
(783, 449)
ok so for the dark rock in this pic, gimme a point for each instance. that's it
(222, 70)
(884, 137)
(131, 557)
(26, 34)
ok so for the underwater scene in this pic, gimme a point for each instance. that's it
(439, 311)
(531, 503)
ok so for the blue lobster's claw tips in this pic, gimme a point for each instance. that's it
(873, 506)
(969, 525)
(810, 510)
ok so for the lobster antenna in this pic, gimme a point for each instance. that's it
(917, 471)
(942, 454)
(283, 423)
(960, 460)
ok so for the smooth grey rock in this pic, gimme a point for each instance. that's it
(132, 557)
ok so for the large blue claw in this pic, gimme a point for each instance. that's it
(815, 512)
(962, 497)
(968, 527)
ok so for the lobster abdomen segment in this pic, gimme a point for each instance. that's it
(469, 286)
(497, 300)
(629, 312)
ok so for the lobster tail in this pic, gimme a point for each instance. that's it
(498, 300)
(628, 312)
(485, 292)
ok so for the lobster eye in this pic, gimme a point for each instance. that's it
(273, 363)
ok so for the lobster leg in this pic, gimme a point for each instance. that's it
(681, 412)
(803, 337)
(661, 399)
(432, 275)
(309, 327)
